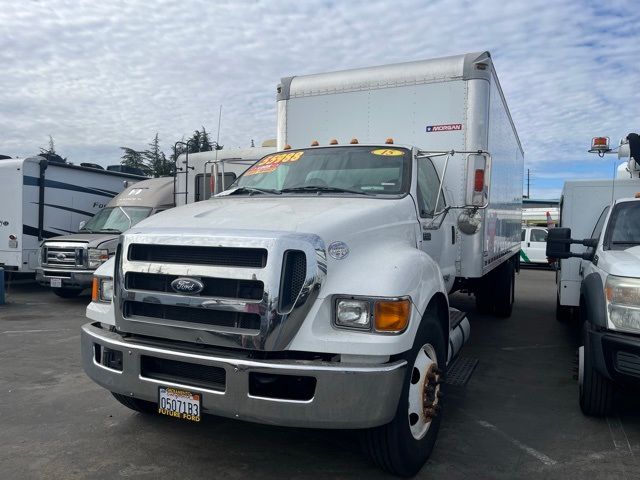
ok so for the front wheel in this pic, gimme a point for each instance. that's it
(403, 446)
(595, 390)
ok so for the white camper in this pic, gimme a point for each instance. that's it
(194, 171)
(41, 199)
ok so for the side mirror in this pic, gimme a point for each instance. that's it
(559, 243)
(82, 224)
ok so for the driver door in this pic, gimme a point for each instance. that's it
(439, 243)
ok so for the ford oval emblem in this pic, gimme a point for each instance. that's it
(187, 286)
(60, 256)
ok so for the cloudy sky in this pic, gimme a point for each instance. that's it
(100, 75)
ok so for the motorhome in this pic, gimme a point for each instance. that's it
(41, 199)
(67, 263)
(314, 291)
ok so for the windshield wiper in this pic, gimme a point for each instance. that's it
(252, 190)
(619, 242)
(318, 188)
(109, 230)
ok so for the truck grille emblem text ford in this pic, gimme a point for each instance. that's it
(188, 286)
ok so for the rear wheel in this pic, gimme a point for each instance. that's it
(67, 292)
(505, 289)
(403, 446)
(596, 391)
(136, 404)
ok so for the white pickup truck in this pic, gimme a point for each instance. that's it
(314, 291)
(600, 282)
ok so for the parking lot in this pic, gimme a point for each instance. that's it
(517, 417)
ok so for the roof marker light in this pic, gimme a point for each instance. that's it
(333, 142)
(354, 141)
(600, 145)
(287, 147)
(389, 141)
(315, 143)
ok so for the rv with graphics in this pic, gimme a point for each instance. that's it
(67, 262)
(314, 291)
(42, 199)
(599, 280)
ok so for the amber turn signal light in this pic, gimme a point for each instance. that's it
(392, 315)
(95, 290)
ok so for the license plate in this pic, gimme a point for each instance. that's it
(178, 403)
(56, 282)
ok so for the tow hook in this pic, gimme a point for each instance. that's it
(431, 396)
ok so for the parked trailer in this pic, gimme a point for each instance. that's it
(438, 106)
(41, 199)
(67, 263)
(313, 292)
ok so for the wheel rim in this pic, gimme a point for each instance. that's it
(424, 391)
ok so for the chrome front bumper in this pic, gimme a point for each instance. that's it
(70, 278)
(346, 395)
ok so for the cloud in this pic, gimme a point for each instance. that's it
(100, 75)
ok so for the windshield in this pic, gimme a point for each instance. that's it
(361, 170)
(624, 227)
(115, 219)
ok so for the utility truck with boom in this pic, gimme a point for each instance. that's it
(314, 291)
(599, 281)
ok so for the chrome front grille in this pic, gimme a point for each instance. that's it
(64, 255)
(255, 291)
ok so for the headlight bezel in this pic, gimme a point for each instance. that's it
(614, 294)
(102, 255)
(102, 285)
(373, 304)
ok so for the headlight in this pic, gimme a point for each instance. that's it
(373, 314)
(102, 290)
(623, 302)
(97, 257)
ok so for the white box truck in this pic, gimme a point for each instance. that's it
(41, 199)
(313, 292)
(599, 280)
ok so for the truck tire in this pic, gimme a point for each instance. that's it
(402, 446)
(595, 390)
(505, 281)
(484, 298)
(67, 292)
(136, 404)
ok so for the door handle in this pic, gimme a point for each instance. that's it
(528, 244)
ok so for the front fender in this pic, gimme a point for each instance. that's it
(592, 304)
(388, 270)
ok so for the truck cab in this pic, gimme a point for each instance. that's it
(67, 262)
(599, 285)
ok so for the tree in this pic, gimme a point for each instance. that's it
(205, 144)
(134, 158)
(50, 152)
(156, 160)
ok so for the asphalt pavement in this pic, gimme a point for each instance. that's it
(517, 417)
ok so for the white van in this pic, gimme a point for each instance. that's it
(533, 246)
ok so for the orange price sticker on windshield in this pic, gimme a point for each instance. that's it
(388, 152)
(270, 163)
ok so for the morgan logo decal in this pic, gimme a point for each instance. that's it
(187, 286)
(450, 127)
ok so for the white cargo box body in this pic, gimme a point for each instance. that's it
(71, 194)
(581, 204)
(452, 103)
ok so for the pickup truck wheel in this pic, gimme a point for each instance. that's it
(67, 292)
(136, 404)
(596, 390)
(505, 289)
(403, 446)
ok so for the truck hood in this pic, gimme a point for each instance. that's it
(93, 240)
(623, 263)
(330, 217)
